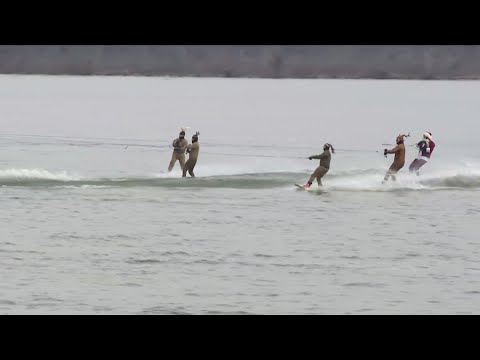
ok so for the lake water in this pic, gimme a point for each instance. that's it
(92, 223)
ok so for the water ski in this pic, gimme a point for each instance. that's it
(303, 188)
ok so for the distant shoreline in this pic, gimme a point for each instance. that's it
(239, 77)
(367, 62)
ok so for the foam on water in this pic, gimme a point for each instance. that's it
(91, 224)
(345, 180)
(33, 174)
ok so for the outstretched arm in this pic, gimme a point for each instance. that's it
(394, 150)
(316, 157)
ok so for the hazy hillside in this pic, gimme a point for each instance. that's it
(352, 61)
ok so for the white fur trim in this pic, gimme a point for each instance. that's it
(428, 136)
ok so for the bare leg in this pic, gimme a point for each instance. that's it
(421, 162)
(172, 162)
(413, 166)
(416, 165)
(181, 159)
(318, 174)
(189, 165)
(389, 174)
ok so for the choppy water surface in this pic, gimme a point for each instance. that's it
(93, 224)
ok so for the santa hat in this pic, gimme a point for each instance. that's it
(428, 135)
